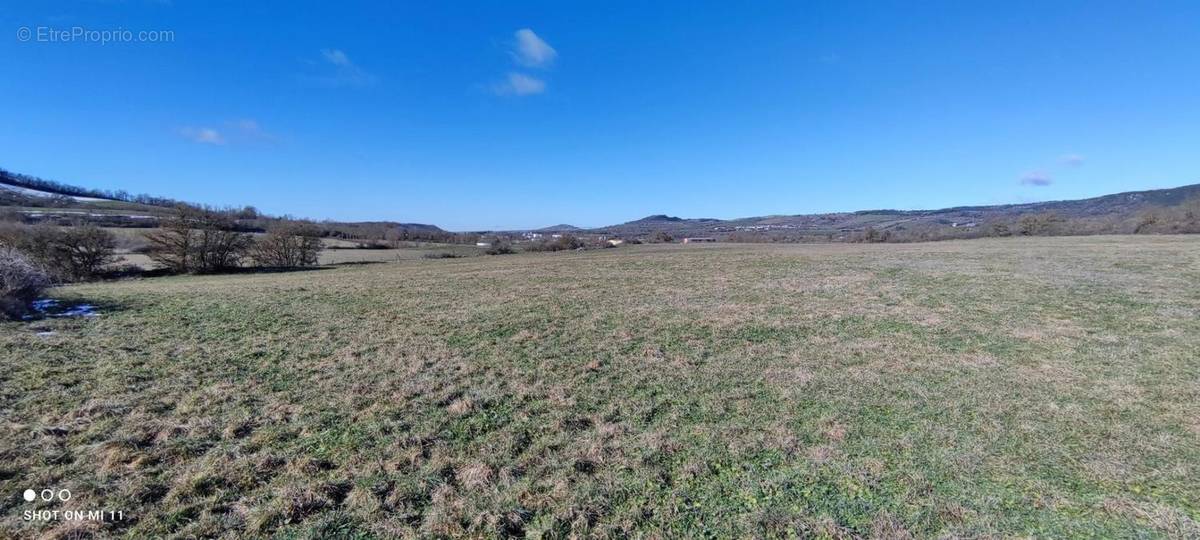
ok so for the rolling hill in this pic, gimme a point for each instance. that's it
(32, 199)
(48, 201)
(1120, 206)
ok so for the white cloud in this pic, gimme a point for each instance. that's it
(528, 50)
(520, 84)
(531, 51)
(336, 57)
(248, 129)
(202, 135)
(248, 126)
(1036, 178)
(1072, 160)
(235, 132)
(344, 71)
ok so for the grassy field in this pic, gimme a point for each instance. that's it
(1010, 387)
(344, 256)
(349, 256)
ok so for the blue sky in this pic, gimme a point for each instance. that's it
(512, 115)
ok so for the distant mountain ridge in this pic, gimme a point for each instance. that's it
(561, 227)
(1115, 206)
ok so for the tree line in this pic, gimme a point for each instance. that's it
(192, 240)
(51, 186)
(205, 241)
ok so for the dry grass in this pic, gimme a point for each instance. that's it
(327, 256)
(1016, 387)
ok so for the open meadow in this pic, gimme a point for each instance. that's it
(1042, 387)
(334, 252)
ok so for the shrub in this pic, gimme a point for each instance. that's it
(661, 237)
(540, 245)
(1184, 218)
(287, 245)
(1043, 224)
(871, 235)
(1189, 213)
(67, 253)
(21, 281)
(499, 248)
(561, 243)
(33, 241)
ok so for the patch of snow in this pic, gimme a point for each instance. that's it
(46, 333)
(82, 310)
(42, 213)
(39, 193)
(44, 306)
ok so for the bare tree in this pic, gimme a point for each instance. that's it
(85, 251)
(288, 244)
(198, 240)
(171, 244)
